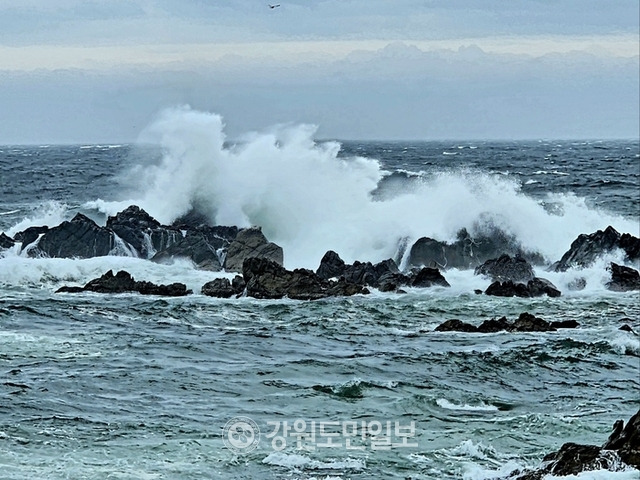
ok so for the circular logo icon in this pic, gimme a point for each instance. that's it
(241, 435)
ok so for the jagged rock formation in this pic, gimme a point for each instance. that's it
(622, 445)
(526, 322)
(623, 279)
(588, 247)
(123, 282)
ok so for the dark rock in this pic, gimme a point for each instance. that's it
(428, 277)
(204, 246)
(493, 325)
(627, 328)
(534, 288)
(527, 322)
(191, 220)
(142, 232)
(626, 441)
(331, 266)
(572, 458)
(267, 279)
(390, 282)
(251, 243)
(123, 282)
(194, 247)
(477, 291)
(587, 248)
(238, 284)
(505, 267)
(110, 283)
(455, 325)
(30, 235)
(6, 241)
(541, 286)
(565, 324)
(79, 238)
(220, 288)
(362, 273)
(70, 289)
(467, 251)
(623, 279)
(170, 290)
(631, 246)
(507, 289)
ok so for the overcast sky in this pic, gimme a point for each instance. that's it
(84, 71)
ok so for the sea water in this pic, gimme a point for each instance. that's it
(132, 387)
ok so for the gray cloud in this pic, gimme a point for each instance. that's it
(398, 92)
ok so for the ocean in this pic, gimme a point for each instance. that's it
(143, 387)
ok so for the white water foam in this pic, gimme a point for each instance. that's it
(308, 200)
(292, 460)
(50, 213)
(481, 407)
(52, 273)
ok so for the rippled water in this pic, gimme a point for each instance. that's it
(133, 387)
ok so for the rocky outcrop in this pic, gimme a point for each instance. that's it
(623, 279)
(331, 266)
(526, 322)
(79, 238)
(267, 279)
(467, 251)
(533, 288)
(30, 235)
(6, 241)
(427, 277)
(516, 269)
(384, 275)
(572, 458)
(588, 247)
(142, 232)
(223, 288)
(133, 232)
(204, 246)
(123, 282)
(251, 243)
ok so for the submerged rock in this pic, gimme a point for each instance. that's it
(623, 279)
(455, 325)
(123, 282)
(526, 322)
(588, 247)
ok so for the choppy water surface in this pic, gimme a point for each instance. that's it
(131, 387)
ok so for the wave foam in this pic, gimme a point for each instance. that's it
(481, 407)
(309, 199)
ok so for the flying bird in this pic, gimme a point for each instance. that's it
(274, 6)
